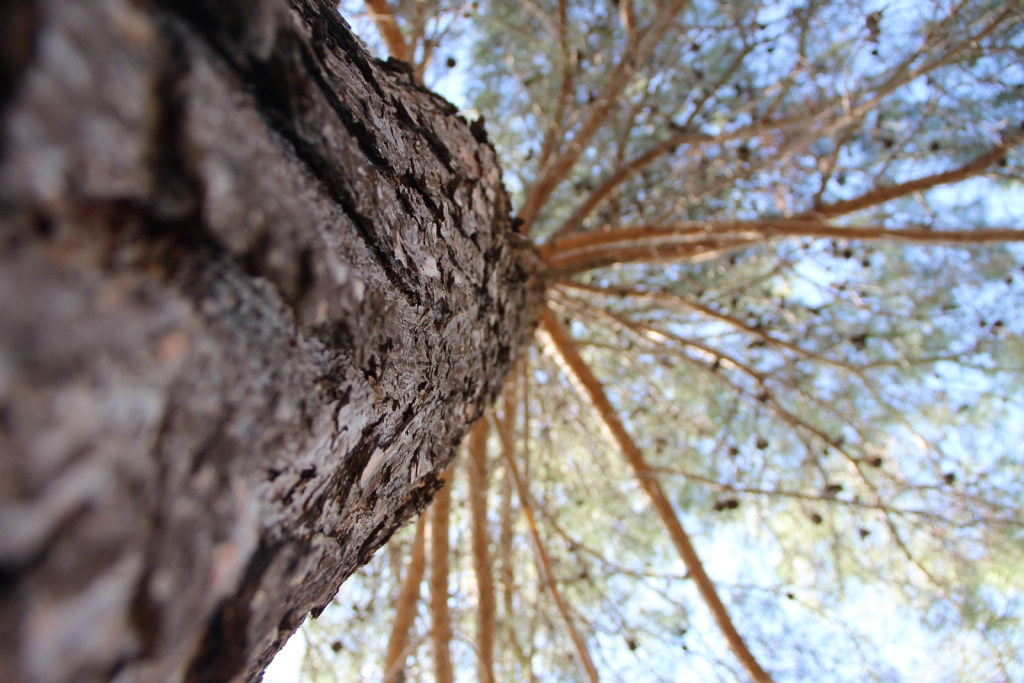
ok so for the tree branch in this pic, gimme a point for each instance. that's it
(622, 174)
(441, 628)
(881, 195)
(553, 137)
(636, 52)
(505, 537)
(542, 555)
(567, 356)
(477, 466)
(682, 302)
(387, 25)
(693, 239)
(405, 609)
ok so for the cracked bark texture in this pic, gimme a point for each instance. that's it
(254, 288)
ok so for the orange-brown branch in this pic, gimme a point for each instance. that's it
(405, 610)
(553, 136)
(681, 137)
(568, 357)
(884, 194)
(585, 251)
(441, 627)
(635, 53)
(505, 536)
(544, 559)
(477, 466)
(680, 301)
(505, 546)
(387, 26)
(621, 175)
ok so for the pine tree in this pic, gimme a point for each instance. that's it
(782, 333)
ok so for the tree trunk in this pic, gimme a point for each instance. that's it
(254, 288)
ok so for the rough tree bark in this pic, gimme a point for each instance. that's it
(254, 288)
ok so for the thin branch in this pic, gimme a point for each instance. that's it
(613, 567)
(668, 146)
(405, 609)
(477, 466)
(635, 53)
(825, 499)
(553, 137)
(441, 628)
(627, 16)
(506, 573)
(542, 556)
(387, 25)
(698, 239)
(827, 164)
(395, 673)
(505, 547)
(881, 195)
(624, 173)
(564, 349)
(798, 423)
(669, 297)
